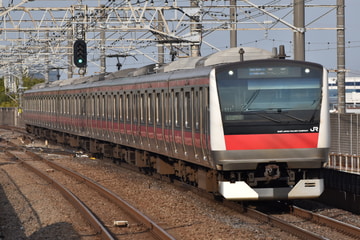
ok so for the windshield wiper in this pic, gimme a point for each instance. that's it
(296, 118)
(251, 100)
(275, 111)
(269, 118)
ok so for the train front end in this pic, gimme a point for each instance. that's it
(269, 128)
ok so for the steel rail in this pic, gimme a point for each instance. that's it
(285, 226)
(345, 228)
(157, 231)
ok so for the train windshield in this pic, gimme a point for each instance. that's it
(270, 93)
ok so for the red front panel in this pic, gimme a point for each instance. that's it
(271, 141)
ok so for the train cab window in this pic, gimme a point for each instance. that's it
(278, 94)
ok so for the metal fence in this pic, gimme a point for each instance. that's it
(9, 116)
(345, 142)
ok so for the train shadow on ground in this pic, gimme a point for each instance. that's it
(11, 226)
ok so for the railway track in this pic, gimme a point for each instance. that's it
(279, 220)
(140, 224)
(305, 224)
(347, 229)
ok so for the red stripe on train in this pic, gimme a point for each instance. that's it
(271, 141)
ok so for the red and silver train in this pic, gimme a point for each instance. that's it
(256, 129)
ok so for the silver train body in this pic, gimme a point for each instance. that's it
(251, 130)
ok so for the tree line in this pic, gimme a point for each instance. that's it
(8, 99)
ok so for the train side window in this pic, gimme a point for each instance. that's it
(44, 104)
(97, 103)
(115, 104)
(166, 107)
(51, 109)
(158, 107)
(127, 106)
(65, 105)
(150, 109)
(171, 108)
(109, 104)
(93, 101)
(103, 106)
(82, 104)
(76, 105)
(135, 107)
(88, 105)
(196, 109)
(121, 107)
(188, 108)
(142, 104)
(63, 100)
(61, 105)
(178, 108)
(68, 105)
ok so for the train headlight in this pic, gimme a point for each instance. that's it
(307, 70)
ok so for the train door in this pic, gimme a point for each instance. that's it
(135, 119)
(121, 109)
(103, 118)
(75, 122)
(167, 122)
(143, 119)
(189, 134)
(179, 121)
(67, 120)
(94, 114)
(88, 116)
(128, 117)
(82, 111)
(151, 119)
(58, 110)
(205, 121)
(108, 115)
(115, 117)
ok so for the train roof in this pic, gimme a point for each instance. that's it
(171, 69)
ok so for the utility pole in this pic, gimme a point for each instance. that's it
(299, 33)
(102, 40)
(195, 29)
(340, 17)
(233, 18)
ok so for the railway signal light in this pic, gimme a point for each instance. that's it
(80, 54)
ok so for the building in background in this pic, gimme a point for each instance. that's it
(352, 94)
